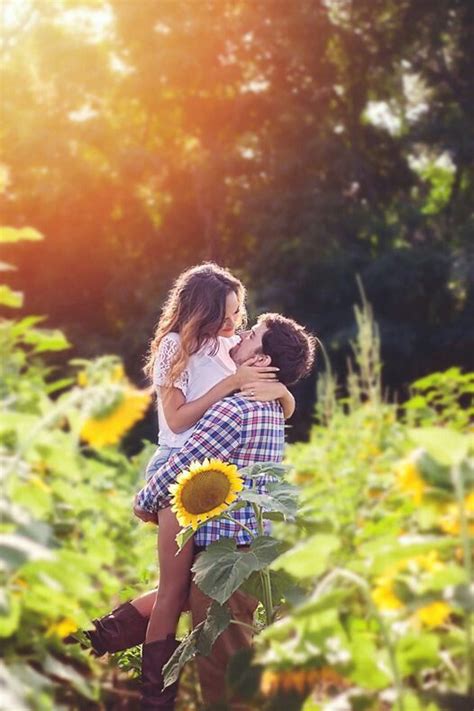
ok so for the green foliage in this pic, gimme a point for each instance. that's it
(68, 542)
(199, 641)
(221, 568)
(366, 587)
(442, 398)
(383, 542)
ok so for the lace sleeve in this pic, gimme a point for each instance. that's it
(165, 358)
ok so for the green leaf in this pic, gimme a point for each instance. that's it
(416, 652)
(273, 516)
(16, 550)
(281, 498)
(186, 651)
(10, 298)
(311, 705)
(184, 535)
(217, 620)
(308, 559)
(15, 234)
(462, 595)
(434, 473)
(445, 445)
(327, 601)
(369, 669)
(221, 568)
(58, 385)
(447, 576)
(46, 340)
(10, 610)
(265, 469)
(20, 327)
(199, 641)
(66, 673)
(411, 702)
(382, 553)
(283, 587)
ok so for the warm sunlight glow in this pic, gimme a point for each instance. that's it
(93, 23)
(14, 14)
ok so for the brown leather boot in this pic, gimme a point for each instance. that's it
(122, 628)
(154, 657)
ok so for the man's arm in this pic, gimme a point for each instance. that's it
(217, 435)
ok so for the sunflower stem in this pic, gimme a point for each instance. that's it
(244, 624)
(265, 573)
(239, 523)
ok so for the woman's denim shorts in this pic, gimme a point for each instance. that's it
(160, 457)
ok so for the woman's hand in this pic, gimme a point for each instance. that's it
(264, 390)
(248, 373)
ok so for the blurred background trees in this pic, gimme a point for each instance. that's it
(299, 144)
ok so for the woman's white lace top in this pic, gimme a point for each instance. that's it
(202, 372)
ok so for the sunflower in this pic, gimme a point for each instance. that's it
(384, 596)
(409, 480)
(109, 429)
(450, 520)
(434, 614)
(62, 628)
(204, 491)
(300, 681)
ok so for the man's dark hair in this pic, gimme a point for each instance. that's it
(291, 348)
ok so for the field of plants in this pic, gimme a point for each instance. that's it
(372, 578)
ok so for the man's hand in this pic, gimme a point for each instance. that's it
(143, 515)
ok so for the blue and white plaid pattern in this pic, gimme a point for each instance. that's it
(234, 430)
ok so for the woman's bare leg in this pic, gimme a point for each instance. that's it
(175, 578)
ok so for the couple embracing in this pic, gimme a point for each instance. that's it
(221, 393)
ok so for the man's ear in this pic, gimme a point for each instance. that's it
(263, 359)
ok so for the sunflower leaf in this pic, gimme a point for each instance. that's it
(182, 654)
(281, 498)
(284, 587)
(199, 641)
(221, 569)
(310, 557)
(183, 537)
(217, 620)
(265, 469)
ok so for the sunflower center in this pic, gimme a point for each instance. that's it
(205, 491)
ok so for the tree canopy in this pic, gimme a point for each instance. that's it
(299, 144)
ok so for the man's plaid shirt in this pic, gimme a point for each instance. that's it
(233, 430)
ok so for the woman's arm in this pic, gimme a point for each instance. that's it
(288, 403)
(271, 391)
(181, 415)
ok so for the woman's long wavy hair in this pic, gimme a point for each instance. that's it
(195, 308)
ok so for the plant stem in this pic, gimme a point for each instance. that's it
(267, 596)
(244, 624)
(466, 544)
(264, 574)
(239, 523)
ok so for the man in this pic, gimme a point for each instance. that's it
(243, 432)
